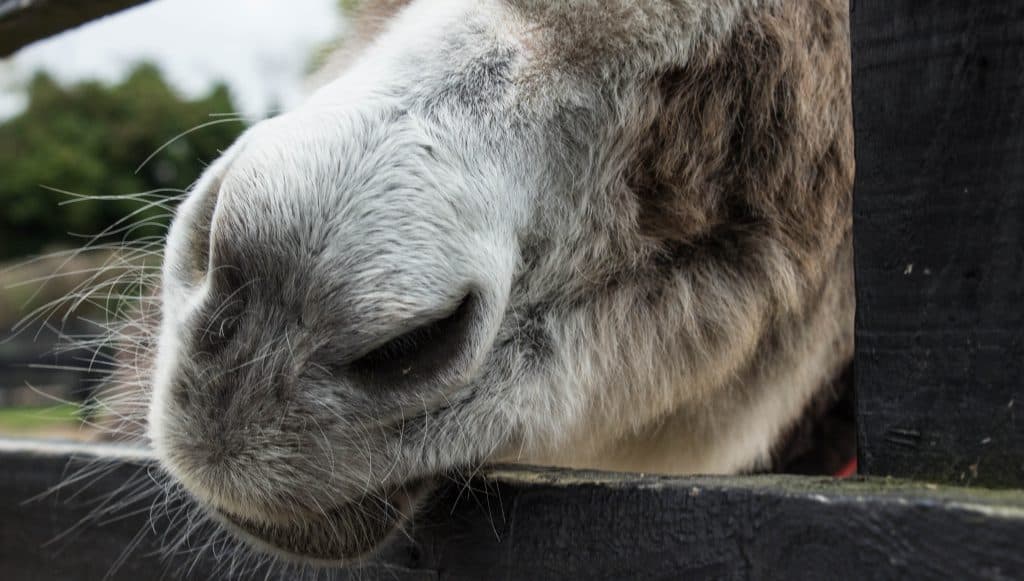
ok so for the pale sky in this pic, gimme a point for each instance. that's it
(260, 48)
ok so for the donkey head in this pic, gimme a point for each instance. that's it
(604, 234)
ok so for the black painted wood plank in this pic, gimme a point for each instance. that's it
(26, 21)
(534, 525)
(939, 234)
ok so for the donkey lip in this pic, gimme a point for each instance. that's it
(342, 534)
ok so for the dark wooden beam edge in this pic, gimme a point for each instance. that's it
(515, 523)
(26, 21)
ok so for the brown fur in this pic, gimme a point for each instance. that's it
(737, 175)
(753, 140)
(367, 20)
(751, 145)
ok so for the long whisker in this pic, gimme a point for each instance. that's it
(184, 133)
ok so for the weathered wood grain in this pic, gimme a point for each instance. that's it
(26, 21)
(535, 525)
(939, 235)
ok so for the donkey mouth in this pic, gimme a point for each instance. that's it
(335, 536)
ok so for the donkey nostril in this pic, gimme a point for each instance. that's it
(422, 353)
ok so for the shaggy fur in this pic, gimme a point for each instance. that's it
(596, 234)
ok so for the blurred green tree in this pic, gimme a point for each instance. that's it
(90, 139)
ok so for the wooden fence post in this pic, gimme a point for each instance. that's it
(939, 235)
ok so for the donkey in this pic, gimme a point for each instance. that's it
(596, 234)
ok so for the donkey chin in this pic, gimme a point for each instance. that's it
(605, 235)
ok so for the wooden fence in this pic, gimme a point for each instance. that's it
(939, 237)
(39, 365)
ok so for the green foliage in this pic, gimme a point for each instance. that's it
(90, 139)
(17, 420)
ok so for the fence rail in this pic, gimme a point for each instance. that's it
(515, 523)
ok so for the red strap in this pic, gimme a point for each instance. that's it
(849, 469)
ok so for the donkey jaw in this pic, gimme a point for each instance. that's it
(338, 535)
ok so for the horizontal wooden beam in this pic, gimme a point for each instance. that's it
(26, 21)
(514, 523)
